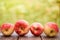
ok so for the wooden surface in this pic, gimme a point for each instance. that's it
(29, 36)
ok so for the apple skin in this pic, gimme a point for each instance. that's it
(7, 29)
(22, 27)
(51, 29)
(36, 29)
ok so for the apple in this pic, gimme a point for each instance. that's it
(51, 29)
(36, 29)
(7, 29)
(22, 27)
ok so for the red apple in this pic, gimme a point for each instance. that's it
(22, 27)
(51, 29)
(36, 29)
(7, 29)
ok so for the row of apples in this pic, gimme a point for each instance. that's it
(22, 27)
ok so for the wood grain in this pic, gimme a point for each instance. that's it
(29, 36)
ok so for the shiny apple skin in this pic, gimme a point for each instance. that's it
(36, 29)
(7, 29)
(51, 29)
(22, 27)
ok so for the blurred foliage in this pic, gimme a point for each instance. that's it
(31, 10)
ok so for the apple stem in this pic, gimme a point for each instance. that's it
(6, 29)
(51, 31)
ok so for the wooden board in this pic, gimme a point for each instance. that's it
(29, 36)
(13, 37)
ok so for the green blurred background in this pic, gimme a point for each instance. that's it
(42, 11)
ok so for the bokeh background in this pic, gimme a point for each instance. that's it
(42, 11)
